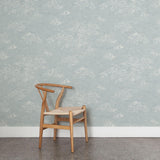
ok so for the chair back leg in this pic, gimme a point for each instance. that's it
(71, 130)
(85, 123)
(42, 118)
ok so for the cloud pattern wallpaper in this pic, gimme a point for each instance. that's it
(109, 50)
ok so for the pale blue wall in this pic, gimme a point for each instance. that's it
(108, 50)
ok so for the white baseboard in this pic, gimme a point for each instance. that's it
(79, 132)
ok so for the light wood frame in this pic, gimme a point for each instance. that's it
(43, 93)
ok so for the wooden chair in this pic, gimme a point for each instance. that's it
(59, 111)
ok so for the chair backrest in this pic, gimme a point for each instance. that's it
(43, 93)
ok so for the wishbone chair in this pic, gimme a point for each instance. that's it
(59, 111)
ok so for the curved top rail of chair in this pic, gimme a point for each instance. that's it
(40, 86)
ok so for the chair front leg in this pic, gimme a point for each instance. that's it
(85, 123)
(71, 130)
(55, 130)
(41, 130)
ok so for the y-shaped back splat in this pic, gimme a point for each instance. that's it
(44, 99)
(59, 98)
(45, 90)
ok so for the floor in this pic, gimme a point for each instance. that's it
(95, 149)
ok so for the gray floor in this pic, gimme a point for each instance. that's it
(95, 149)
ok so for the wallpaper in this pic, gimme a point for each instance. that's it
(108, 50)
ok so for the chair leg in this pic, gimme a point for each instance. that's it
(41, 131)
(85, 123)
(71, 130)
(55, 130)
